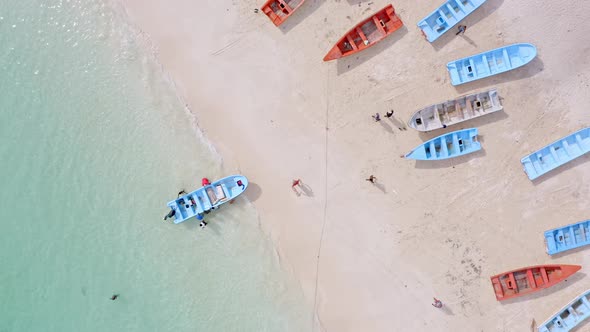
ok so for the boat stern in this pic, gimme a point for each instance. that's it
(454, 73)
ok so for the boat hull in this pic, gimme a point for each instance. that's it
(451, 145)
(447, 16)
(278, 11)
(490, 63)
(366, 34)
(207, 198)
(557, 153)
(530, 279)
(568, 237)
(570, 316)
(455, 111)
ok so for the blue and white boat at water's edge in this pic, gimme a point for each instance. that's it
(570, 316)
(567, 237)
(557, 153)
(453, 144)
(491, 63)
(447, 16)
(206, 198)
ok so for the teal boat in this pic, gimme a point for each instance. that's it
(451, 145)
(570, 316)
(206, 198)
(491, 63)
(557, 153)
(447, 16)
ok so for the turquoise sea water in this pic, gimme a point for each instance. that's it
(94, 142)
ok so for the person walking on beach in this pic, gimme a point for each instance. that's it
(114, 297)
(296, 183)
(389, 114)
(376, 117)
(437, 303)
(462, 29)
(372, 179)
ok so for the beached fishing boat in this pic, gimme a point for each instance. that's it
(491, 63)
(456, 111)
(206, 198)
(366, 34)
(451, 145)
(279, 10)
(570, 316)
(446, 16)
(530, 279)
(567, 237)
(557, 153)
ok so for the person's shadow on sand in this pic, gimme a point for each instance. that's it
(306, 190)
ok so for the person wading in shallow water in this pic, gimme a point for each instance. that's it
(114, 297)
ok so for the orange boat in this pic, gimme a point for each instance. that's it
(279, 10)
(530, 279)
(366, 34)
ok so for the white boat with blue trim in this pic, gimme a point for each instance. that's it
(206, 198)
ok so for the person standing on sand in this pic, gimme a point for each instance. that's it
(296, 183)
(372, 179)
(437, 303)
(389, 114)
(462, 29)
(376, 117)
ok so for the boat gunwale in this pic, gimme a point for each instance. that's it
(543, 326)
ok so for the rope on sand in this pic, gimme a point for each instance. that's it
(317, 268)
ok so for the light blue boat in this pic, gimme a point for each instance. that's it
(491, 63)
(451, 145)
(206, 198)
(557, 153)
(567, 237)
(570, 316)
(446, 16)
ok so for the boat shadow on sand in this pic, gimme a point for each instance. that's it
(299, 15)
(546, 292)
(346, 64)
(574, 163)
(486, 9)
(253, 192)
(529, 70)
(569, 252)
(452, 162)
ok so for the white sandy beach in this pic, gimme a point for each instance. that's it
(371, 257)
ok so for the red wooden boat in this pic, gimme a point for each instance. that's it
(279, 10)
(530, 279)
(366, 34)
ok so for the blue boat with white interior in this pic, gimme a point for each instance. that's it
(451, 145)
(557, 153)
(206, 198)
(567, 237)
(491, 63)
(447, 16)
(570, 316)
